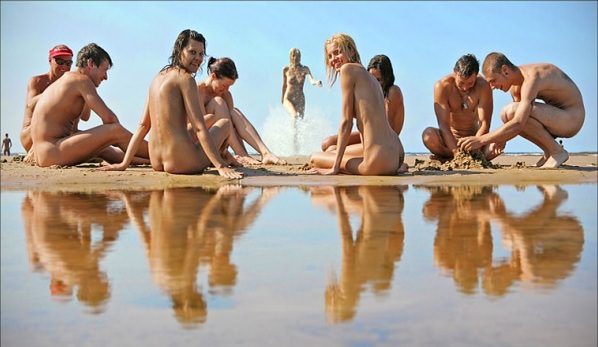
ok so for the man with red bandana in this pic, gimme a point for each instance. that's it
(60, 59)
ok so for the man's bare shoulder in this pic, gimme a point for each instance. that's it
(445, 82)
(44, 76)
(39, 80)
(540, 70)
(444, 86)
(482, 85)
(72, 77)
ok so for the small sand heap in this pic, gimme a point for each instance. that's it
(462, 160)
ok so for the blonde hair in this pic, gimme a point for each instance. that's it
(294, 52)
(346, 45)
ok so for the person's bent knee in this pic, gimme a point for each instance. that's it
(218, 107)
(328, 141)
(428, 135)
(224, 124)
(508, 111)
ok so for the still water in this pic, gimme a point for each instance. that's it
(301, 266)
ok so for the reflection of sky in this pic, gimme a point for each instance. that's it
(283, 259)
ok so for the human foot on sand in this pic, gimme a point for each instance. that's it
(542, 160)
(403, 168)
(247, 160)
(270, 158)
(229, 159)
(556, 160)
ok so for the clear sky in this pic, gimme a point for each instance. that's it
(422, 39)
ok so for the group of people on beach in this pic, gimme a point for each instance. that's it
(192, 125)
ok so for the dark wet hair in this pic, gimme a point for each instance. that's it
(494, 62)
(382, 63)
(467, 65)
(223, 68)
(94, 52)
(181, 42)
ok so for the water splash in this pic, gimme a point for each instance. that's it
(279, 133)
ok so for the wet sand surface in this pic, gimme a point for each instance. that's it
(507, 169)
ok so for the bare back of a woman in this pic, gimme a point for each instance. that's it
(382, 149)
(171, 147)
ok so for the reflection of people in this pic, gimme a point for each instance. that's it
(173, 104)
(60, 59)
(369, 257)
(381, 152)
(463, 242)
(545, 243)
(218, 101)
(6, 145)
(463, 107)
(545, 246)
(180, 240)
(293, 79)
(64, 102)
(58, 228)
(561, 114)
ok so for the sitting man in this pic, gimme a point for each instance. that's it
(463, 107)
(60, 59)
(561, 114)
(73, 97)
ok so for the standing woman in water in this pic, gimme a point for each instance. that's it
(293, 79)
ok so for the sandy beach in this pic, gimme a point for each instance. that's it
(507, 169)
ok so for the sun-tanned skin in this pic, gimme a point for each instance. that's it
(463, 106)
(219, 104)
(381, 68)
(293, 79)
(60, 59)
(362, 99)
(561, 114)
(37, 84)
(63, 103)
(173, 102)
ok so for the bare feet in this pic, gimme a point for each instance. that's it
(230, 160)
(30, 157)
(403, 168)
(556, 160)
(542, 160)
(270, 158)
(247, 160)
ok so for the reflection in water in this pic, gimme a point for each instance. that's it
(182, 229)
(59, 228)
(189, 228)
(545, 245)
(185, 230)
(370, 253)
